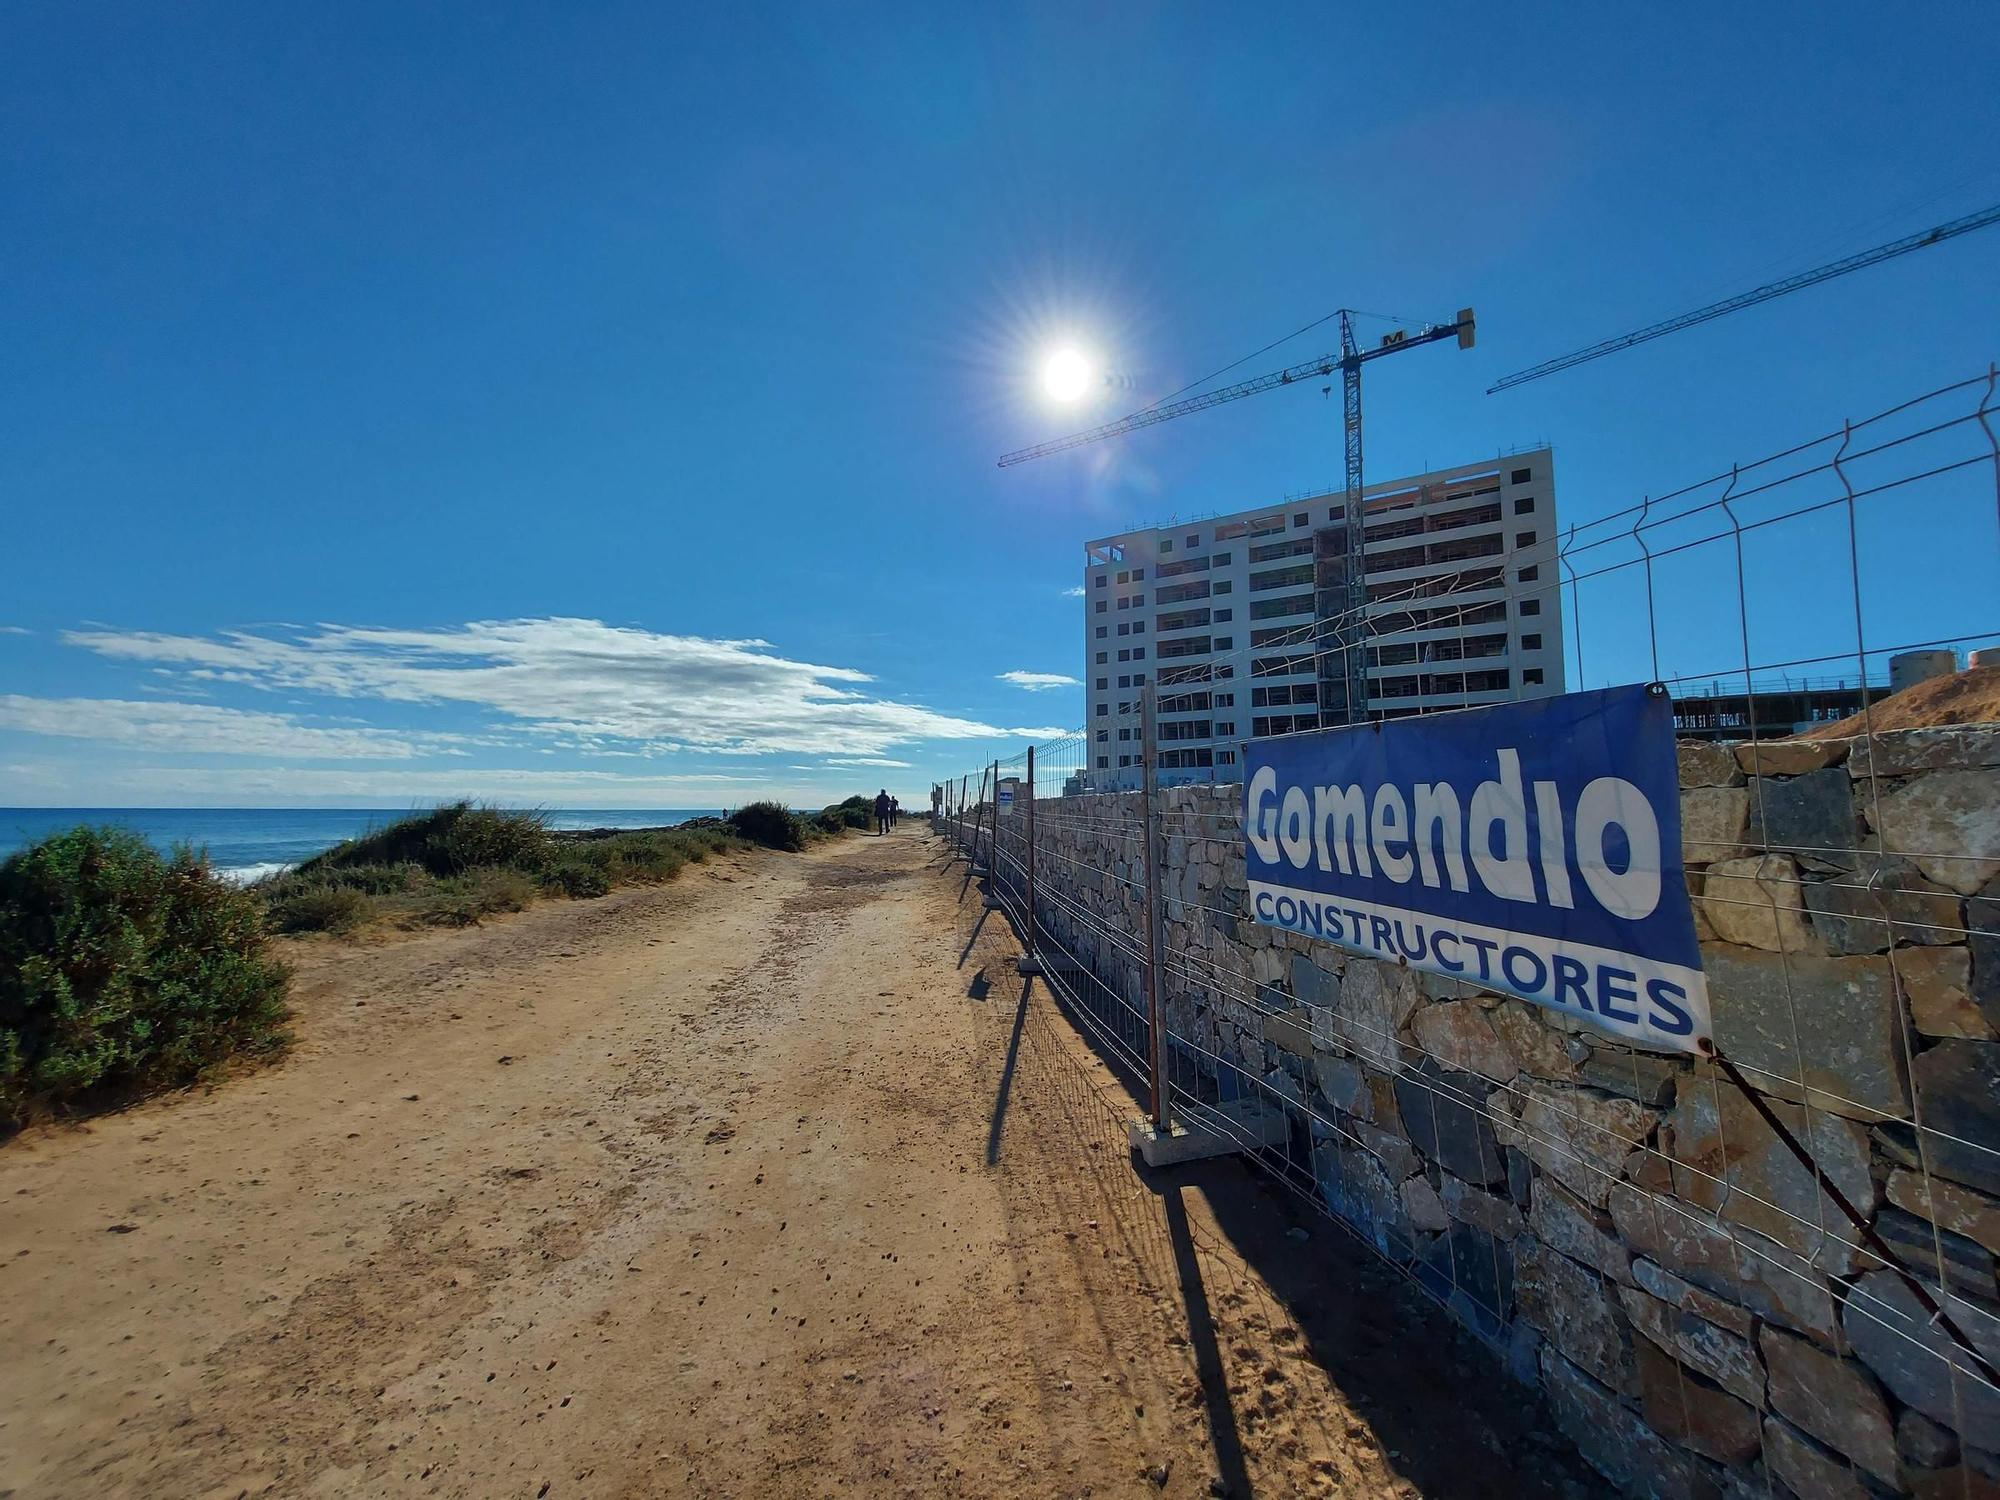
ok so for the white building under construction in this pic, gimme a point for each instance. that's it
(1238, 619)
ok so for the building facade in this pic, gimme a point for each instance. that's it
(1239, 620)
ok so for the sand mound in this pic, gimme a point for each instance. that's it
(1968, 697)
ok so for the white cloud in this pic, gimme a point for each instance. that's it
(588, 684)
(1039, 682)
(204, 729)
(869, 760)
(15, 630)
(1073, 593)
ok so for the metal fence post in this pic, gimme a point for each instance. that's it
(1029, 963)
(1156, 1020)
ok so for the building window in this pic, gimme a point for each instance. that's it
(1124, 681)
(1301, 518)
(1222, 586)
(1124, 577)
(1103, 710)
(1194, 539)
(1138, 679)
(1225, 757)
(1138, 653)
(1101, 606)
(1103, 762)
(1222, 616)
(1225, 643)
(1138, 575)
(1125, 734)
(1521, 476)
(1100, 632)
(1531, 642)
(1225, 700)
(1530, 573)
(1123, 654)
(1531, 606)
(1221, 560)
(1225, 726)
(1100, 580)
(1103, 735)
(1100, 657)
(1531, 677)
(1123, 628)
(1166, 546)
(1524, 505)
(1138, 627)
(1102, 682)
(1123, 761)
(1524, 539)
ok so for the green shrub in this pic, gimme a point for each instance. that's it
(466, 900)
(318, 908)
(122, 971)
(771, 824)
(576, 879)
(449, 839)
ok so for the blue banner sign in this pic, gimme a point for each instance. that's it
(1528, 848)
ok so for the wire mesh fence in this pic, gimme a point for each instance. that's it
(1780, 1260)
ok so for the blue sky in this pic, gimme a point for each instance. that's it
(598, 405)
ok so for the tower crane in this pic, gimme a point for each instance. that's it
(1338, 557)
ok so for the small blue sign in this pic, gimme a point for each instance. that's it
(1529, 848)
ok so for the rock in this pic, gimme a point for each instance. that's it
(1834, 1019)
(1883, 902)
(1734, 1264)
(1982, 922)
(1948, 1206)
(1959, 1482)
(1937, 982)
(1340, 1080)
(1398, 1157)
(1582, 1139)
(1727, 1160)
(1576, 1312)
(1520, 1176)
(1538, 1046)
(1725, 1358)
(1483, 1210)
(1789, 757)
(1459, 1034)
(1831, 1399)
(1473, 1275)
(1289, 1032)
(1616, 1442)
(1810, 817)
(1758, 903)
(1714, 821)
(1903, 752)
(1359, 1191)
(1703, 763)
(1444, 1113)
(1374, 1001)
(1640, 1076)
(1947, 824)
(1423, 1206)
(1923, 1443)
(1583, 1234)
(1892, 1334)
(1959, 1083)
(1657, 1281)
(1806, 1469)
(1967, 1267)
(1689, 1411)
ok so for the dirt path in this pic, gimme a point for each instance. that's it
(763, 1183)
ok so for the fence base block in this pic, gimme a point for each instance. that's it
(1027, 968)
(1210, 1130)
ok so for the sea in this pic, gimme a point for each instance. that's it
(248, 843)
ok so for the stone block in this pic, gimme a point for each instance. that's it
(1833, 1020)
(1576, 1312)
(1727, 1160)
(1937, 982)
(1689, 1411)
(1582, 1233)
(1358, 1190)
(1959, 1085)
(1982, 923)
(1810, 817)
(1884, 902)
(1397, 1156)
(1789, 757)
(1460, 1034)
(1807, 1470)
(1444, 1114)
(1643, 1077)
(1289, 1032)
(1892, 1335)
(1535, 1044)
(1473, 1274)
(1617, 1443)
(1704, 763)
(1341, 1082)
(1582, 1139)
(1483, 1210)
(1832, 1399)
(1374, 1001)
(1734, 1264)
(1657, 1281)
(1966, 1266)
(1942, 747)
(1714, 821)
(1922, 1443)
(1726, 1358)
(1947, 824)
(1947, 1205)
(1962, 1481)
(1758, 902)
(1423, 1207)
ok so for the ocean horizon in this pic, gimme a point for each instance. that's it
(248, 843)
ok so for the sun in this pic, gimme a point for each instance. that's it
(1066, 375)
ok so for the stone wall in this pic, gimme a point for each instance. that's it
(1622, 1226)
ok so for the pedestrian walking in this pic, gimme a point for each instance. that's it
(895, 812)
(882, 805)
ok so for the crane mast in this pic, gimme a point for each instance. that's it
(1340, 586)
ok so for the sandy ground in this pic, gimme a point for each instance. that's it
(774, 1181)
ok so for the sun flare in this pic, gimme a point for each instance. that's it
(1066, 375)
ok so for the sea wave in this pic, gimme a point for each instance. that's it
(249, 874)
